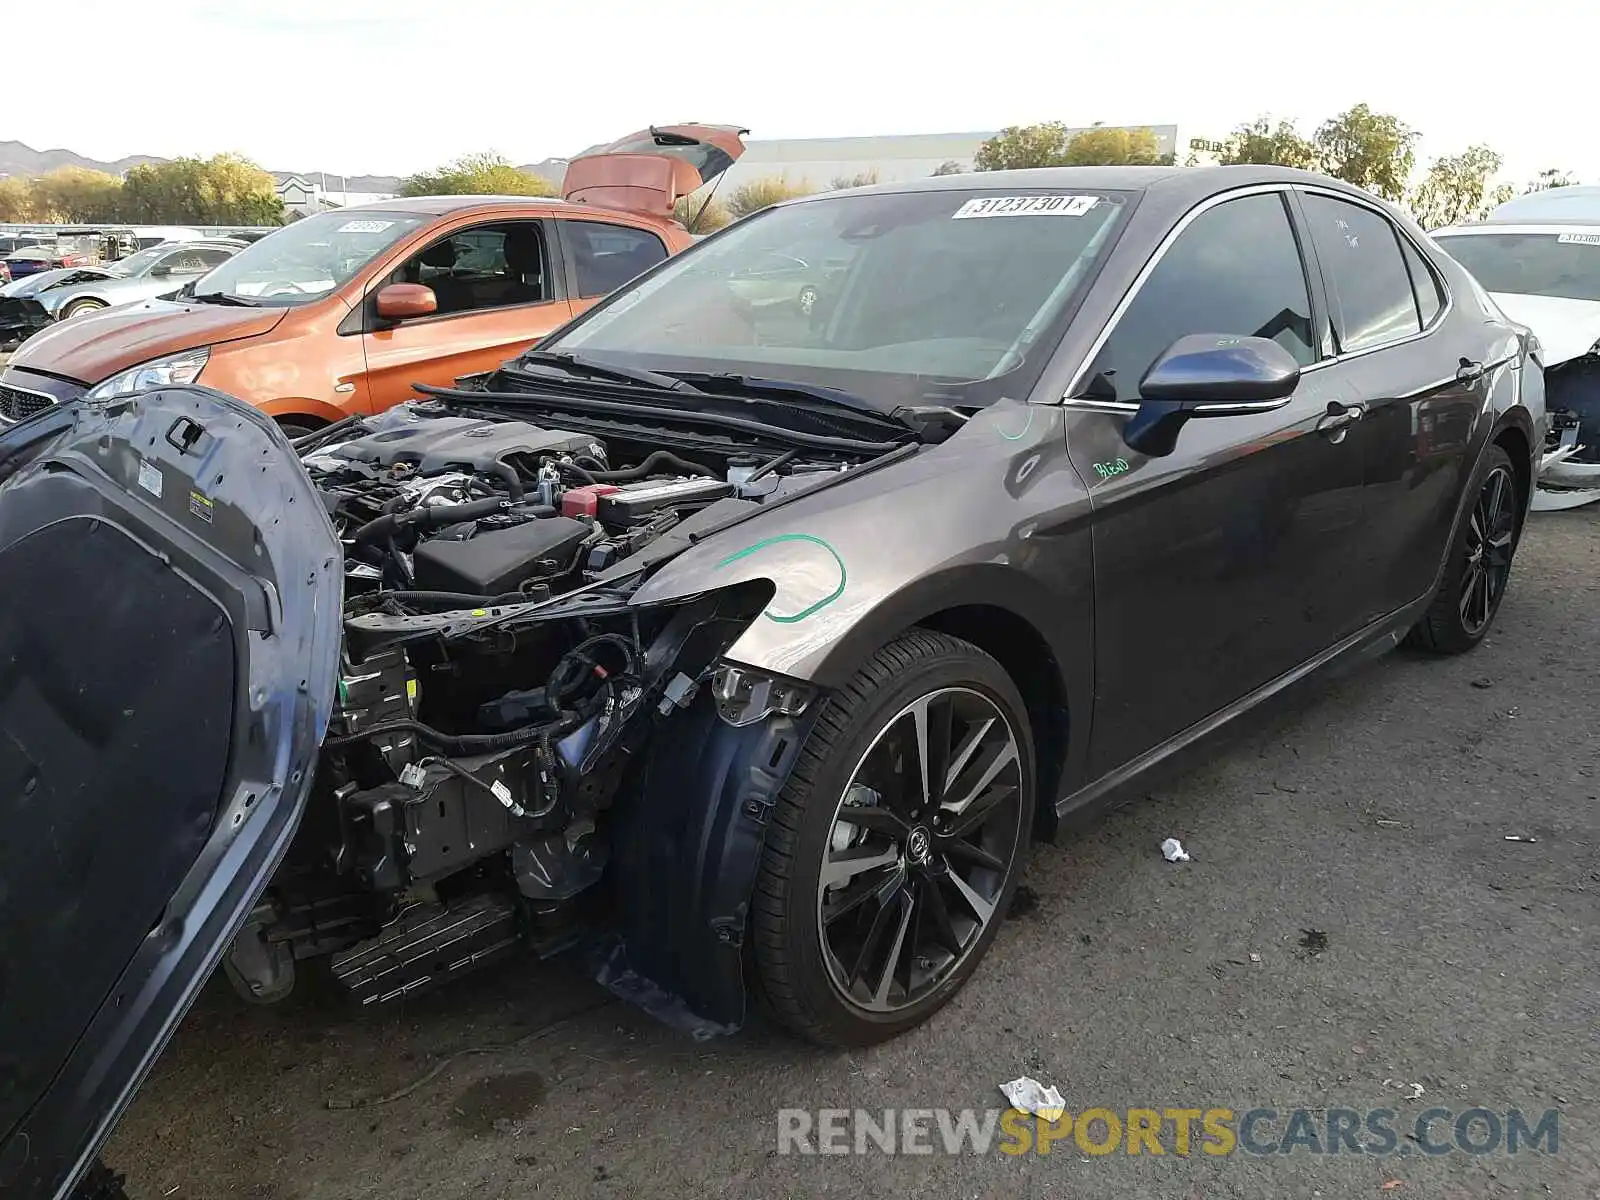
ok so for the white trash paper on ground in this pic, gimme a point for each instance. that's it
(1172, 850)
(1031, 1096)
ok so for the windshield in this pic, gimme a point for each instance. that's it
(899, 298)
(309, 259)
(136, 264)
(1565, 265)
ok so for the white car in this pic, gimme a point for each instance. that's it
(1544, 272)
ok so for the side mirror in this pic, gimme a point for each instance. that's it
(403, 301)
(160, 271)
(1208, 375)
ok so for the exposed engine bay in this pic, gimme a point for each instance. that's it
(497, 691)
(1569, 475)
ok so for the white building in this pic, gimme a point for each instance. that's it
(302, 196)
(817, 162)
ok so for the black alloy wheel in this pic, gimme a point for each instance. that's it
(897, 844)
(1479, 566)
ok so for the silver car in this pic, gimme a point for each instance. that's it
(141, 276)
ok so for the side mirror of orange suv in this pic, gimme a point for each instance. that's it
(403, 301)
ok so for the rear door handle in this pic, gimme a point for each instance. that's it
(1469, 371)
(1339, 416)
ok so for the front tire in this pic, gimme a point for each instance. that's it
(1475, 578)
(79, 308)
(896, 845)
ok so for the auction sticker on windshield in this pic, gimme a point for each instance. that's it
(1025, 206)
(364, 226)
(1580, 239)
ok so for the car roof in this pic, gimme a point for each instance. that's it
(438, 206)
(1175, 182)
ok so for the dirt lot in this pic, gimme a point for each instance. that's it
(1354, 926)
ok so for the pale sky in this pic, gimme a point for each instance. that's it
(393, 86)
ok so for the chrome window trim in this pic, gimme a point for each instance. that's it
(1206, 206)
(1376, 208)
(1132, 294)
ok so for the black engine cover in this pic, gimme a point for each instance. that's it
(498, 560)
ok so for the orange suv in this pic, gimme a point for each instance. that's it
(340, 313)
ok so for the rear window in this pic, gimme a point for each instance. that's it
(1564, 265)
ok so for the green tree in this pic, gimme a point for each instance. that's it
(950, 167)
(1551, 177)
(1260, 141)
(16, 200)
(1105, 146)
(1372, 150)
(1019, 146)
(222, 190)
(482, 174)
(1456, 189)
(762, 193)
(75, 194)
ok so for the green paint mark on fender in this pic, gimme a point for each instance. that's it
(794, 537)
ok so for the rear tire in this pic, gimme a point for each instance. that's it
(1479, 568)
(922, 872)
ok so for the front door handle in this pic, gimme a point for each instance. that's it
(1339, 417)
(1469, 371)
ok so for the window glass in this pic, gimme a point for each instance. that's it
(487, 266)
(185, 262)
(1424, 282)
(1369, 289)
(303, 262)
(1564, 265)
(1235, 270)
(607, 256)
(942, 296)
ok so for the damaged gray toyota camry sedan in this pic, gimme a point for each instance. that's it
(741, 648)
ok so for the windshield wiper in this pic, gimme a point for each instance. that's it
(581, 364)
(222, 298)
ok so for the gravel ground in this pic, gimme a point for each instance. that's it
(1354, 926)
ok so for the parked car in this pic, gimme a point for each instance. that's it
(30, 260)
(1547, 276)
(140, 276)
(340, 313)
(21, 313)
(709, 640)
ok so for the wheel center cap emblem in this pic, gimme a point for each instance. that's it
(919, 845)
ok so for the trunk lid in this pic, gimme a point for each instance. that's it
(159, 721)
(647, 171)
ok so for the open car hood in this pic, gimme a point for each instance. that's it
(1567, 329)
(648, 171)
(159, 721)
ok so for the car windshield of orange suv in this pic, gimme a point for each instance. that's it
(341, 313)
(305, 261)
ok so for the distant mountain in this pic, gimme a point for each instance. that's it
(19, 159)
